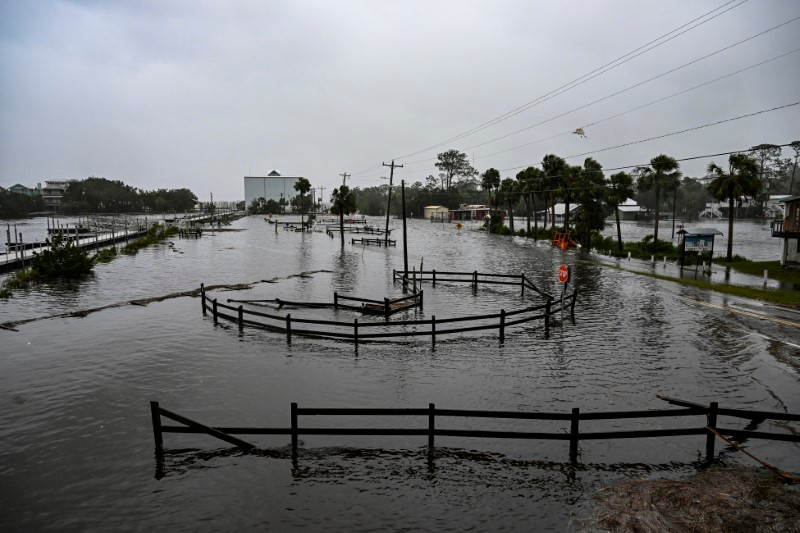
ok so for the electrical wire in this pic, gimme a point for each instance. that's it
(583, 79)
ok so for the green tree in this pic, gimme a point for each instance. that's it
(620, 188)
(742, 179)
(453, 164)
(589, 185)
(568, 184)
(61, 260)
(490, 179)
(554, 168)
(343, 202)
(661, 175)
(302, 185)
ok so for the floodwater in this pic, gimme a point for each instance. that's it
(76, 444)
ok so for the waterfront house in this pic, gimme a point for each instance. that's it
(473, 212)
(629, 210)
(788, 229)
(560, 209)
(436, 213)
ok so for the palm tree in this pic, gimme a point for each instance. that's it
(620, 189)
(490, 180)
(508, 190)
(553, 168)
(302, 186)
(662, 174)
(343, 202)
(742, 179)
(530, 181)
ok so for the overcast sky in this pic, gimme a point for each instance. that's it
(199, 94)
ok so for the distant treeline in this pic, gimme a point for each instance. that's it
(100, 195)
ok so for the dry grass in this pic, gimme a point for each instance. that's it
(713, 500)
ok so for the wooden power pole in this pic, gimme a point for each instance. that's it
(344, 176)
(389, 202)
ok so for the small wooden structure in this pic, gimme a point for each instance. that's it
(436, 213)
(788, 229)
(374, 242)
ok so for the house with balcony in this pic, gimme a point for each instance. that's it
(788, 229)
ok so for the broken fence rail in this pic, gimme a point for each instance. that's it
(574, 436)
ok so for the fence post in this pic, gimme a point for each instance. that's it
(547, 318)
(355, 330)
(475, 280)
(434, 277)
(502, 325)
(386, 307)
(203, 298)
(433, 332)
(214, 302)
(289, 328)
(394, 275)
(241, 318)
(336, 300)
(156, 416)
(573, 435)
(522, 283)
(431, 425)
(572, 305)
(421, 298)
(711, 421)
(294, 427)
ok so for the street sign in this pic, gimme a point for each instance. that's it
(699, 243)
(563, 273)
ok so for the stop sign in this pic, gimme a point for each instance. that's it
(563, 273)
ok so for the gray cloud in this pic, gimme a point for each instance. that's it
(198, 94)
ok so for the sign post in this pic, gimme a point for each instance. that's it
(563, 276)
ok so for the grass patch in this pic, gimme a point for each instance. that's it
(776, 296)
(106, 256)
(757, 268)
(720, 499)
(155, 234)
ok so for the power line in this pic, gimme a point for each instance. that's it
(616, 115)
(671, 133)
(585, 78)
(639, 84)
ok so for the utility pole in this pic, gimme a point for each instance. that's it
(344, 176)
(405, 240)
(389, 201)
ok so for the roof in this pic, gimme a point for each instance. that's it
(704, 231)
(629, 208)
(435, 207)
(790, 199)
(560, 208)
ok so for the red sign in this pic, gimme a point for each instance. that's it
(563, 273)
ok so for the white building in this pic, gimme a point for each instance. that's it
(273, 186)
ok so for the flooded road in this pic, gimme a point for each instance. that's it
(76, 444)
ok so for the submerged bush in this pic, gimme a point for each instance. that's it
(105, 256)
(155, 234)
(62, 260)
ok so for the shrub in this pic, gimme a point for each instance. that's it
(62, 260)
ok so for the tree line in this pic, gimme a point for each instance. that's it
(659, 186)
(100, 195)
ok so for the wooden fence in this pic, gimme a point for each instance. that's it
(434, 429)
(474, 278)
(352, 331)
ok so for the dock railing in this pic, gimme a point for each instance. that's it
(432, 426)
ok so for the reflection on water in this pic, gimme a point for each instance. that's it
(76, 446)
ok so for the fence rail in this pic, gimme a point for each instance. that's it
(394, 329)
(432, 415)
(473, 278)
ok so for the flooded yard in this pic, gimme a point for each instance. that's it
(76, 444)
